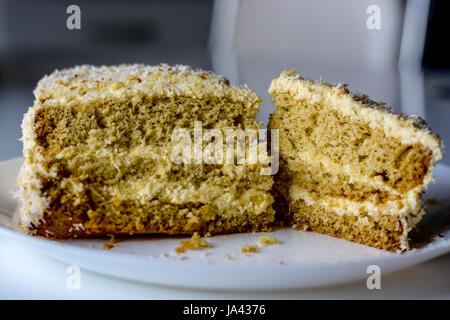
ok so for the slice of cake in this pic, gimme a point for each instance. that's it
(349, 167)
(98, 148)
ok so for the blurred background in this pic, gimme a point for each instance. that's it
(393, 50)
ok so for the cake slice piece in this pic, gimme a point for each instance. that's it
(98, 147)
(349, 167)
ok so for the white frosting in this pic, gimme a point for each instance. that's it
(33, 202)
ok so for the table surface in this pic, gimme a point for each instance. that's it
(27, 274)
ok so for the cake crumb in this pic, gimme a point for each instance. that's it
(228, 257)
(195, 243)
(281, 262)
(164, 255)
(107, 246)
(266, 240)
(110, 244)
(184, 258)
(249, 249)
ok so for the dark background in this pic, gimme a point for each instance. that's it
(112, 32)
(436, 52)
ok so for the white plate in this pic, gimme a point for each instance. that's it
(303, 259)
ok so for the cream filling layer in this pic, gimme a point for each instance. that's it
(409, 204)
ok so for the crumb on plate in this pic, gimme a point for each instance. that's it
(266, 240)
(249, 249)
(107, 246)
(195, 243)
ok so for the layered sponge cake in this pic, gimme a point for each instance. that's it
(349, 167)
(98, 155)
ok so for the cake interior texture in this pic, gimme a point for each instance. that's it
(349, 167)
(97, 147)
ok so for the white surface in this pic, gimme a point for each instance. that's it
(28, 274)
(309, 259)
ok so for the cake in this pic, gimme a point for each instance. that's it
(349, 167)
(98, 155)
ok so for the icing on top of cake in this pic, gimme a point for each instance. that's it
(84, 80)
